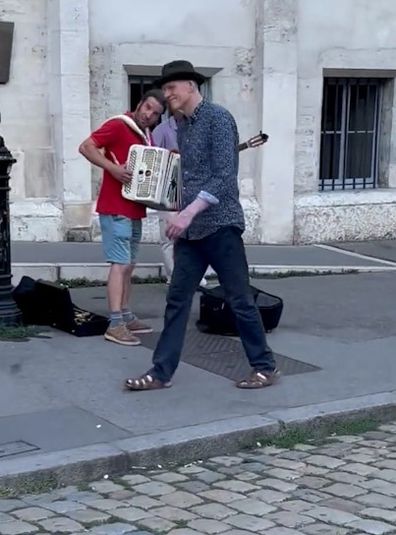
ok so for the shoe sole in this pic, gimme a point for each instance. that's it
(141, 331)
(110, 338)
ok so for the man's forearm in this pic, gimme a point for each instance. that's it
(95, 156)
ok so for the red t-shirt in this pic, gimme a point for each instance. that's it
(116, 137)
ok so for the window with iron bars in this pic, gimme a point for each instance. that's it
(350, 133)
(140, 84)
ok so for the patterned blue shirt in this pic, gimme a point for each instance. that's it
(208, 144)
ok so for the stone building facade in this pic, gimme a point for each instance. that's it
(316, 75)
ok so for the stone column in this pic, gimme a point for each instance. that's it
(70, 107)
(279, 115)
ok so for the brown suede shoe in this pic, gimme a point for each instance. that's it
(121, 335)
(138, 327)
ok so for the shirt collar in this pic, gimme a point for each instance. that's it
(197, 110)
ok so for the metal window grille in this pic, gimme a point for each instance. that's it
(349, 134)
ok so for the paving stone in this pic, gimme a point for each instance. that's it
(297, 506)
(116, 528)
(135, 479)
(175, 514)
(379, 514)
(208, 476)
(345, 491)
(184, 531)
(222, 496)
(272, 450)
(270, 496)
(288, 464)
(130, 514)
(332, 516)
(191, 469)
(324, 461)
(154, 488)
(282, 531)
(156, 523)
(289, 519)
(226, 460)
(252, 507)
(237, 532)
(121, 495)
(215, 511)
(236, 486)
(143, 502)
(181, 499)
(171, 477)
(62, 524)
(63, 506)
(281, 473)
(10, 504)
(312, 470)
(17, 528)
(105, 486)
(193, 486)
(377, 500)
(31, 514)
(381, 486)
(387, 474)
(362, 469)
(387, 463)
(324, 529)
(311, 482)
(372, 526)
(343, 504)
(247, 476)
(106, 504)
(208, 526)
(250, 522)
(277, 484)
(304, 447)
(348, 439)
(346, 477)
(360, 458)
(4, 517)
(308, 495)
(88, 516)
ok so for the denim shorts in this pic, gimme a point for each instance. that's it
(120, 238)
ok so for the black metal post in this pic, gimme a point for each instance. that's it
(9, 312)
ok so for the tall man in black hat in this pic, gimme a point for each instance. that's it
(207, 231)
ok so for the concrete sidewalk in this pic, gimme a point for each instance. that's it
(63, 411)
(70, 260)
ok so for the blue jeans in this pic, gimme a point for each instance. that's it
(225, 252)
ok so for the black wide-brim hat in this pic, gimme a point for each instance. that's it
(179, 70)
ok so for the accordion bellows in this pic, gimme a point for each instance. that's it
(156, 178)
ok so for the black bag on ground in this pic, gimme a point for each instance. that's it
(65, 315)
(47, 303)
(34, 310)
(216, 317)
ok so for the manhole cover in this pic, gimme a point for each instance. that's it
(224, 356)
(15, 448)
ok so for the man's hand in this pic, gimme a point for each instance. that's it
(120, 173)
(177, 224)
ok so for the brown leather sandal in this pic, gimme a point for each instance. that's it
(145, 382)
(258, 379)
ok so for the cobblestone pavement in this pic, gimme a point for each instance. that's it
(342, 487)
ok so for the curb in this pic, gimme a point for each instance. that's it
(145, 271)
(90, 463)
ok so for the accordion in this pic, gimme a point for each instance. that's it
(156, 178)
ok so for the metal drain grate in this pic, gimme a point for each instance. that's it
(16, 448)
(224, 356)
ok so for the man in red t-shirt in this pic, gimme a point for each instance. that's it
(121, 219)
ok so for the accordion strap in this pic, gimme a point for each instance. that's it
(133, 126)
